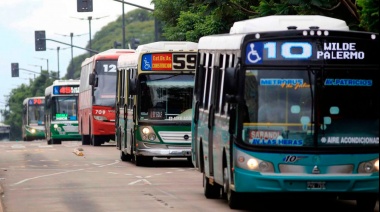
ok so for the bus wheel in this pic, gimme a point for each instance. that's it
(95, 140)
(366, 203)
(210, 191)
(55, 141)
(124, 157)
(143, 160)
(231, 196)
(49, 142)
(85, 139)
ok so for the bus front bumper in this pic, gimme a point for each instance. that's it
(162, 150)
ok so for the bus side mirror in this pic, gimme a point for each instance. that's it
(230, 84)
(93, 80)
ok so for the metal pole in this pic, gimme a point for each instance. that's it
(58, 59)
(89, 25)
(123, 27)
(47, 63)
(72, 57)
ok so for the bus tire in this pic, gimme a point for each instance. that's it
(96, 140)
(210, 191)
(143, 160)
(231, 196)
(124, 157)
(49, 141)
(85, 139)
(366, 203)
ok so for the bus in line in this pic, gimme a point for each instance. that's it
(33, 114)
(96, 106)
(5, 132)
(288, 105)
(154, 94)
(61, 111)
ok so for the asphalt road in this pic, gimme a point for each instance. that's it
(40, 177)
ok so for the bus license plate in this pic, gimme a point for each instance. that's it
(316, 185)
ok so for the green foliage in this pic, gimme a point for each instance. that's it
(36, 87)
(369, 14)
(139, 23)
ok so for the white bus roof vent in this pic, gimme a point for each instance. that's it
(288, 22)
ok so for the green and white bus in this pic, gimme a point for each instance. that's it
(33, 123)
(288, 106)
(61, 109)
(153, 101)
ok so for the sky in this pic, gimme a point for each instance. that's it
(19, 19)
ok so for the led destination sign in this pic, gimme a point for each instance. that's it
(168, 61)
(310, 51)
(65, 89)
(36, 101)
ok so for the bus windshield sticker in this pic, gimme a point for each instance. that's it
(348, 82)
(61, 116)
(349, 140)
(268, 137)
(285, 83)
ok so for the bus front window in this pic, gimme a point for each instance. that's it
(278, 108)
(105, 93)
(65, 108)
(36, 115)
(166, 97)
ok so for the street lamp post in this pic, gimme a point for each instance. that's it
(36, 66)
(58, 48)
(47, 62)
(71, 44)
(89, 18)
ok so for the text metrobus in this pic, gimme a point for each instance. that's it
(288, 109)
(33, 118)
(61, 111)
(154, 94)
(97, 97)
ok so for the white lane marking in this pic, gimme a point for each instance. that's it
(141, 180)
(47, 175)
(18, 146)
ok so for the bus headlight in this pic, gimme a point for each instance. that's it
(33, 131)
(100, 118)
(55, 126)
(369, 166)
(248, 162)
(147, 133)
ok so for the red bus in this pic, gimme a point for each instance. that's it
(97, 91)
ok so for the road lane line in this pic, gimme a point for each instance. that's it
(42, 176)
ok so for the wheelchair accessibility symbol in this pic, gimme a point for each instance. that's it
(253, 53)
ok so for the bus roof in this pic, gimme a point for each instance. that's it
(283, 22)
(131, 60)
(168, 46)
(271, 23)
(110, 54)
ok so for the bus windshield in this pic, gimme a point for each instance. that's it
(36, 115)
(166, 96)
(65, 108)
(105, 93)
(281, 104)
